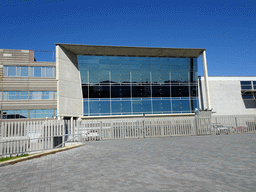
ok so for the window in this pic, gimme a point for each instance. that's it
(42, 71)
(15, 95)
(247, 88)
(23, 95)
(15, 71)
(15, 114)
(36, 95)
(24, 71)
(12, 71)
(6, 71)
(246, 84)
(41, 95)
(247, 96)
(41, 113)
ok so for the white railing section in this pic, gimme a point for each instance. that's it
(30, 136)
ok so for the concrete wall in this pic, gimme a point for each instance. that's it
(69, 93)
(225, 94)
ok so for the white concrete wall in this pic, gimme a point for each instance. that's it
(225, 94)
(69, 90)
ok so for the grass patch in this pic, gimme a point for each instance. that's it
(10, 158)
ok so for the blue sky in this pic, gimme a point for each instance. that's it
(225, 28)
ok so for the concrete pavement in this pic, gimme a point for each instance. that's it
(192, 163)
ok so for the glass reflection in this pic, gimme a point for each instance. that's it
(135, 85)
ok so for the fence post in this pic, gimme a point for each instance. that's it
(101, 130)
(195, 125)
(144, 127)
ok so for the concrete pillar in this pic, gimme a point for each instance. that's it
(57, 78)
(206, 83)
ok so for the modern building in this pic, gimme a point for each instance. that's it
(114, 81)
(111, 80)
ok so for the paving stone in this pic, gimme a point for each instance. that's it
(205, 163)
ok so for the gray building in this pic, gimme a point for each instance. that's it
(27, 88)
(229, 95)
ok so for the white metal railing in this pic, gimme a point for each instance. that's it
(29, 136)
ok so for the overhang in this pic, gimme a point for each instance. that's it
(131, 51)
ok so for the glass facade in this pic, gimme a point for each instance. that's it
(121, 85)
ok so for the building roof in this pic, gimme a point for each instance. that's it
(131, 51)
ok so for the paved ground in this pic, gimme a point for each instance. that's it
(204, 163)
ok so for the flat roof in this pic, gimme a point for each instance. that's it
(131, 51)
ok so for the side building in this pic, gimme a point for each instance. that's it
(28, 89)
(229, 95)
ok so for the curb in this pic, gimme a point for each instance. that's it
(13, 161)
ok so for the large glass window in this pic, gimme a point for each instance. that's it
(135, 85)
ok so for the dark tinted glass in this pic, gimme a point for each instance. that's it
(247, 95)
(99, 91)
(246, 87)
(85, 90)
(120, 91)
(179, 91)
(245, 82)
(193, 91)
(161, 91)
(141, 91)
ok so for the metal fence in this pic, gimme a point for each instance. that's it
(30, 136)
(231, 124)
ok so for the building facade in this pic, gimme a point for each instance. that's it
(88, 80)
(229, 95)
(122, 85)
(109, 80)
(27, 88)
